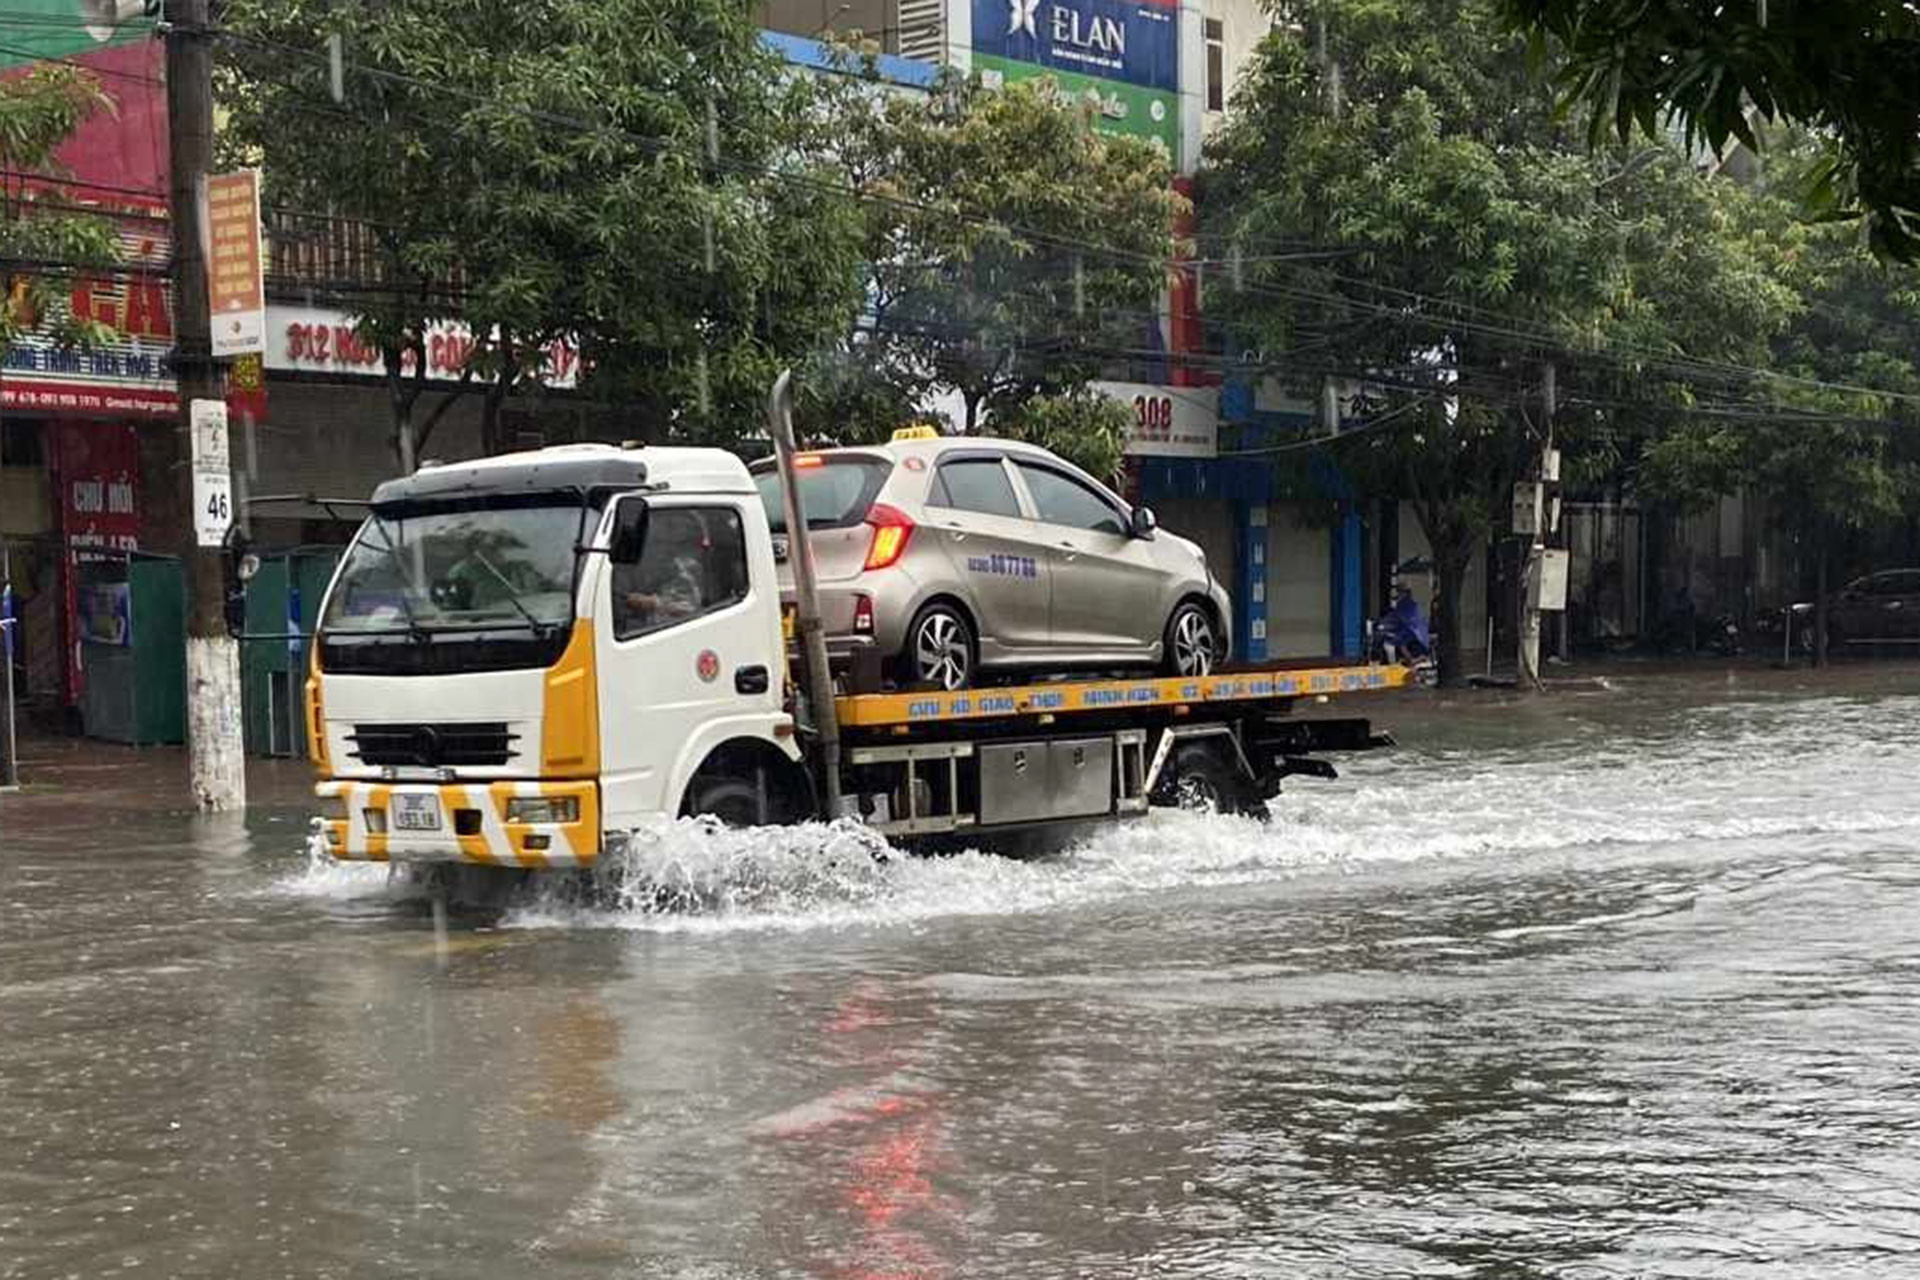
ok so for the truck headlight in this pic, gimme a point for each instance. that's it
(543, 809)
(333, 808)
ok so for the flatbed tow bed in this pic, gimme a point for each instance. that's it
(939, 762)
(898, 712)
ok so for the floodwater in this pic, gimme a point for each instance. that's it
(1621, 982)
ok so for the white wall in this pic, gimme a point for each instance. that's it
(1244, 24)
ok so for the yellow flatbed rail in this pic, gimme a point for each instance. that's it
(1069, 697)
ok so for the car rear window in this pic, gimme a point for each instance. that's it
(834, 492)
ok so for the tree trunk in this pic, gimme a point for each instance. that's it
(495, 399)
(400, 399)
(1819, 599)
(1449, 575)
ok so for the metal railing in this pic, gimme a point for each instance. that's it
(330, 255)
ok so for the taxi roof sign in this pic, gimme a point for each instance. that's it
(922, 432)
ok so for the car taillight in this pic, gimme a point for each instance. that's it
(891, 529)
(863, 615)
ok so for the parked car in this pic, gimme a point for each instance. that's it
(952, 557)
(1881, 608)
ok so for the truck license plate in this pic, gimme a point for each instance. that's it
(416, 812)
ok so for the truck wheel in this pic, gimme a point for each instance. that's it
(735, 801)
(940, 649)
(1200, 778)
(1190, 644)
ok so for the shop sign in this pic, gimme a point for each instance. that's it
(1120, 108)
(1136, 42)
(317, 340)
(236, 289)
(1178, 422)
(97, 469)
(129, 376)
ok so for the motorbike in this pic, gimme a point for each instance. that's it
(1384, 645)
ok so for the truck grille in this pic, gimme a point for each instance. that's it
(432, 745)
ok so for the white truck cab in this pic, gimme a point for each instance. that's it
(519, 653)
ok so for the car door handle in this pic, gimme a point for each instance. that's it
(749, 679)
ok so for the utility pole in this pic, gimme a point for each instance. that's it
(216, 757)
(9, 742)
(1529, 673)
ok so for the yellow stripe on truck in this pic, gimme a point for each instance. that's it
(879, 710)
(316, 716)
(497, 843)
(570, 718)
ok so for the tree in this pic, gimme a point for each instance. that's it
(1838, 460)
(1848, 68)
(1084, 426)
(622, 174)
(1010, 245)
(1468, 240)
(43, 238)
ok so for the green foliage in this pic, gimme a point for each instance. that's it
(1479, 240)
(1009, 244)
(1082, 425)
(38, 111)
(625, 173)
(1850, 68)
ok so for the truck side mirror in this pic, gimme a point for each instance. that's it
(629, 533)
(1144, 522)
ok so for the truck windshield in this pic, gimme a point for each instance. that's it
(454, 588)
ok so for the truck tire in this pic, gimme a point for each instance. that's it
(1191, 644)
(735, 801)
(1203, 778)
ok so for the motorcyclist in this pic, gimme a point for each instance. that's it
(1402, 633)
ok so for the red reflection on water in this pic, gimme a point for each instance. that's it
(878, 1147)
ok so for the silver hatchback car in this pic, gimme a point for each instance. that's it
(950, 557)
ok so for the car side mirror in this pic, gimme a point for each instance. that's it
(1144, 522)
(629, 533)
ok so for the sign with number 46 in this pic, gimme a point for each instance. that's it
(212, 477)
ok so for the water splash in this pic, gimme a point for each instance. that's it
(1705, 777)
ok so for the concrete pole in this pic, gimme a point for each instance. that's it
(1529, 674)
(216, 758)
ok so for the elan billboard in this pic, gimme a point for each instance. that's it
(1136, 42)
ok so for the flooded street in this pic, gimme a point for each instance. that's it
(1620, 982)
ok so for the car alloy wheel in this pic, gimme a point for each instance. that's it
(1190, 641)
(942, 651)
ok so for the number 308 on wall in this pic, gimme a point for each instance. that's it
(1153, 416)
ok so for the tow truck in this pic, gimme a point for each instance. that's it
(499, 678)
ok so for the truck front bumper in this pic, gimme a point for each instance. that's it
(460, 822)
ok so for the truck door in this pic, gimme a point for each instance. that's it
(682, 645)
